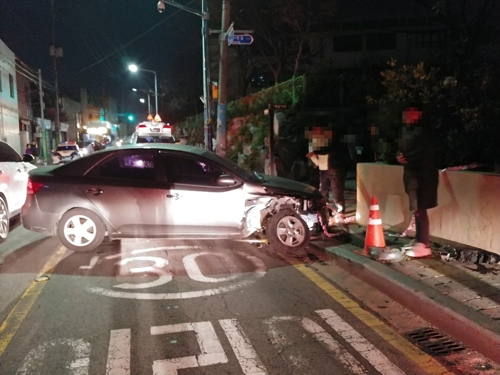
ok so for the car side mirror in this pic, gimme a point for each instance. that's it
(225, 180)
(27, 158)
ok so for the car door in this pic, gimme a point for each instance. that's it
(13, 177)
(195, 204)
(124, 190)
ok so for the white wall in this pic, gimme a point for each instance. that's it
(9, 113)
(468, 204)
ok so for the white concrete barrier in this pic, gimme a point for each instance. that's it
(468, 209)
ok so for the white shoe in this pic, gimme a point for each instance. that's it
(419, 250)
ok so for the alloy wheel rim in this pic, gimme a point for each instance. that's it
(80, 230)
(290, 231)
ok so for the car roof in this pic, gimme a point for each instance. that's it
(158, 146)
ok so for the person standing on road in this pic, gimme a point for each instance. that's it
(420, 174)
(332, 158)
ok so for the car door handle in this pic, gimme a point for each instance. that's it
(173, 196)
(95, 191)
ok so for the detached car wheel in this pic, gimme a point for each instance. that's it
(81, 230)
(4, 220)
(288, 232)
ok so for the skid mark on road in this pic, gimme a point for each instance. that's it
(16, 317)
(422, 359)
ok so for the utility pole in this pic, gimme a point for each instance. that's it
(207, 100)
(55, 52)
(43, 148)
(222, 85)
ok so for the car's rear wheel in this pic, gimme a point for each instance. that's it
(81, 230)
(288, 232)
(4, 220)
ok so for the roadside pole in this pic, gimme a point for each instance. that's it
(222, 85)
(43, 147)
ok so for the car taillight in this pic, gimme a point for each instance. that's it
(34, 186)
(166, 128)
(139, 127)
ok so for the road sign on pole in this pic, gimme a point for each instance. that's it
(241, 39)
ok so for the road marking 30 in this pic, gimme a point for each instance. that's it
(15, 318)
(193, 271)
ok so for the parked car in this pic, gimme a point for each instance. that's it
(66, 151)
(14, 170)
(166, 191)
(152, 132)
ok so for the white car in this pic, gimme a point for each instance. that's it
(66, 151)
(152, 132)
(13, 185)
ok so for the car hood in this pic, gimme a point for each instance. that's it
(279, 185)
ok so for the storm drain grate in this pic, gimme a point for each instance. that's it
(434, 342)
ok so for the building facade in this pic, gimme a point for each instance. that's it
(9, 112)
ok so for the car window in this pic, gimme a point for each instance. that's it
(8, 154)
(155, 140)
(127, 166)
(183, 170)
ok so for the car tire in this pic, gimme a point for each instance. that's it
(81, 230)
(288, 232)
(4, 220)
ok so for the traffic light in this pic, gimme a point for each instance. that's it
(130, 118)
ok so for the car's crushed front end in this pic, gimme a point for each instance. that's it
(287, 212)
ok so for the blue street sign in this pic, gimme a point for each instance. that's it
(242, 39)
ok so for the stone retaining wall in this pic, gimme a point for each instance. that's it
(468, 211)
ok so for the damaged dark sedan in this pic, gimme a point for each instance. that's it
(166, 191)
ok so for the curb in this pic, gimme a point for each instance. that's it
(452, 317)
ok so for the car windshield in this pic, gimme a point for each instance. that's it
(240, 171)
(66, 148)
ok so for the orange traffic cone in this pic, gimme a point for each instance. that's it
(374, 231)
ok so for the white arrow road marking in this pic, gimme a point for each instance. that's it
(119, 352)
(245, 353)
(211, 348)
(260, 271)
(77, 363)
(378, 360)
(194, 271)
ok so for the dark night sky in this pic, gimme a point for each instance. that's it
(100, 38)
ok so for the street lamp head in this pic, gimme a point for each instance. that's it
(161, 6)
(134, 89)
(133, 68)
(142, 100)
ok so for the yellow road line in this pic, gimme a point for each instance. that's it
(420, 358)
(16, 317)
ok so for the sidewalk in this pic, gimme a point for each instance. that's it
(460, 298)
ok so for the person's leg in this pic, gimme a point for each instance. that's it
(324, 184)
(422, 226)
(338, 187)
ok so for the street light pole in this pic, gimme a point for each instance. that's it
(134, 68)
(207, 104)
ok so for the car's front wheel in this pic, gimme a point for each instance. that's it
(4, 220)
(81, 230)
(287, 231)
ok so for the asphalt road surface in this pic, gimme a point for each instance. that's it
(186, 307)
